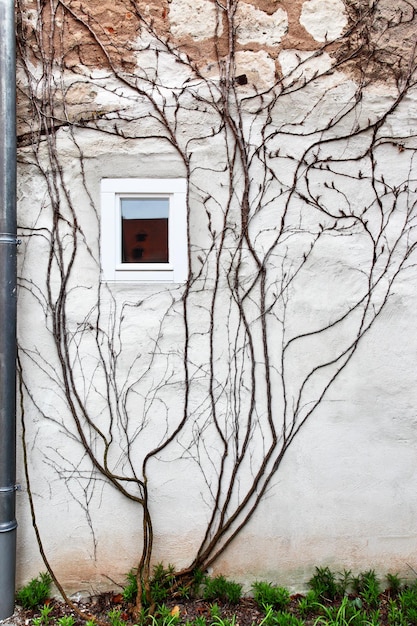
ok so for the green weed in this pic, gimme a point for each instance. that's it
(279, 618)
(407, 600)
(163, 578)
(344, 582)
(374, 618)
(45, 612)
(219, 588)
(131, 589)
(115, 617)
(35, 592)
(198, 580)
(283, 618)
(44, 618)
(164, 616)
(157, 620)
(161, 583)
(198, 621)
(368, 586)
(396, 616)
(346, 614)
(266, 594)
(66, 620)
(268, 619)
(184, 592)
(324, 584)
(224, 621)
(308, 604)
(394, 584)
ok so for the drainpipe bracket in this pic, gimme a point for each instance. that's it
(17, 487)
(8, 527)
(9, 238)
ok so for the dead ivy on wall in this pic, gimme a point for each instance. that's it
(281, 196)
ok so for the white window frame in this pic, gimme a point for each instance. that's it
(113, 269)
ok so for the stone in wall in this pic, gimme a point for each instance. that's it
(257, 26)
(258, 67)
(194, 18)
(325, 20)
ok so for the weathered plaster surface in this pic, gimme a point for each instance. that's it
(309, 66)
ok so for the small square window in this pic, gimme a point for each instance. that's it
(144, 230)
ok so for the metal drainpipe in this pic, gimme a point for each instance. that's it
(8, 243)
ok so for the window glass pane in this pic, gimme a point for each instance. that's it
(145, 230)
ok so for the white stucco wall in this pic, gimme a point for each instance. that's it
(344, 494)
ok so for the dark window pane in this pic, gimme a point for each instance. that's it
(145, 230)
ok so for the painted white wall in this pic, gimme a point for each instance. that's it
(345, 493)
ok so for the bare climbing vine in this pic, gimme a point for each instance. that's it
(298, 176)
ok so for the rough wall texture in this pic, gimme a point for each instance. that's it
(287, 361)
